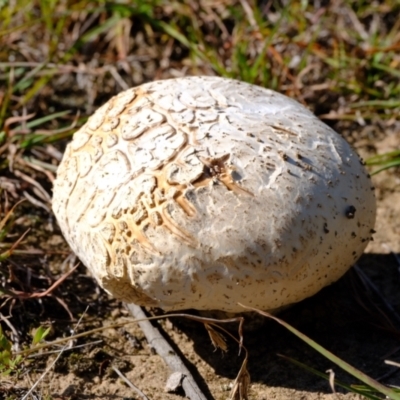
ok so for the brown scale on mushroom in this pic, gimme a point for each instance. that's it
(203, 192)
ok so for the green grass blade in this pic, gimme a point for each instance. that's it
(391, 164)
(385, 161)
(389, 70)
(40, 335)
(377, 103)
(25, 81)
(391, 394)
(383, 158)
(50, 117)
(363, 390)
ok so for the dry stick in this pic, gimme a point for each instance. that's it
(33, 387)
(53, 363)
(369, 284)
(164, 350)
(130, 384)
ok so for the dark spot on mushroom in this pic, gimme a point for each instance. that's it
(326, 230)
(372, 231)
(350, 212)
(236, 176)
(353, 234)
(284, 156)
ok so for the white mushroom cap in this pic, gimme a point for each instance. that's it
(202, 192)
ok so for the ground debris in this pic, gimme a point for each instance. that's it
(174, 382)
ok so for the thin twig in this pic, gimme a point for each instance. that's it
(52, 364)
(369, 284)
(164, 350)
(37, 295)
(44, 195)
(249, 14)
(44, 374)
(129, 383)
(394, 254)
(395, 364)
(36, 202)
(47, 353)
(134, 321)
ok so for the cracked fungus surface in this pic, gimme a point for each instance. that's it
(202, 192)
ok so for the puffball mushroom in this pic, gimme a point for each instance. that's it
(203, 192)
